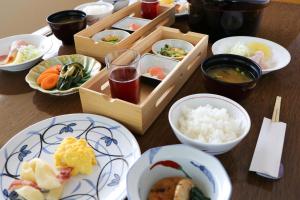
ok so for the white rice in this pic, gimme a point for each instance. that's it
(209, 125)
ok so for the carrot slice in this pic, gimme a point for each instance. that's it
(51, 70)
(50, 81)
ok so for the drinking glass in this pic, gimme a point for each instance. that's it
(124, 75)
(149, 8)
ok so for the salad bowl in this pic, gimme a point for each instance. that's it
(42, 43)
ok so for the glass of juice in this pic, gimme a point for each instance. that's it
(149, 8)
(124, 75)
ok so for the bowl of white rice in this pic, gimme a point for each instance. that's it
(211, 123)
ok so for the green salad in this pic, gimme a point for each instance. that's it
(173, 52)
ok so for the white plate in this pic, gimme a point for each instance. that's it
(127, 21)
(151, 60)
(156, 47)
(119, 33)
(280, 56)
(43, 43)
(115, 147)
(205, 170)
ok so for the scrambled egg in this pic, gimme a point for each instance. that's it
(77, 154)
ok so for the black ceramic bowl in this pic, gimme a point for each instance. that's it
(236, 91)
(223, 18)
(65, 24)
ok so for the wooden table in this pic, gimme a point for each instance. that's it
(20, 106)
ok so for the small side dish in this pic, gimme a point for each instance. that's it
(156, 72)
(176, 188)
(172, 48)
(131, 23)
(111, 36)
(62, 75)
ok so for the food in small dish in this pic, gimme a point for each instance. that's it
(214, 129)
(209, 124)
(156, 72)
(38, 181)
(20, 52)
(172, 48)
(96, 11)
(173, 52)
(75, 154)
(131, 24)
(111, 36)
(230, 74)
(72, 71)
(269, 55)
(176, 188)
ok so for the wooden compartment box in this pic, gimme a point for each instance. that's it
(86, 46)
(95, 93)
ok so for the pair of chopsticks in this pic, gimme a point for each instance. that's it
(276, 111)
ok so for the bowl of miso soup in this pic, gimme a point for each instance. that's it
(230, 75)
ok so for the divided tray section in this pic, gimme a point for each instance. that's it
(85, 45)
(95, 93)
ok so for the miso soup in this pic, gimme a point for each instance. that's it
(230, 74)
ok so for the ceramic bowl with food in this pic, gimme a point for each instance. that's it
(155, 68)
(65, 24)
(172, 48)
(269, 55)
(131, 24)
(176, 163)
(20, 52)
(230, 75)
(211, 123)
(110, 36)
(95, 11)
(62, 75)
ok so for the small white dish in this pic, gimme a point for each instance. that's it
(150, 60)
(193, 101)
(118, 4)
(280, 56)
(206, 171)
(186, 46)
(119, 33)
(115, 147)
(92, 16)
(43, 43)
(126, 23)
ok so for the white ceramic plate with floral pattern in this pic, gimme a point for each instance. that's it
(115, 147)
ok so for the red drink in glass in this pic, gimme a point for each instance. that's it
(149, 8)
(125, 84)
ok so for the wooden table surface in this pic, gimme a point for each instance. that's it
(20, 106)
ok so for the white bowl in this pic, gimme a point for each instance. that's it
(206, 171)
(280, 56)
(149, 60)
(193, 101)
(118, 4)
(43, 43)
(121, 35)
(93, 18)
(156, 47)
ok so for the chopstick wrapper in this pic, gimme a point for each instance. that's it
(268, 150)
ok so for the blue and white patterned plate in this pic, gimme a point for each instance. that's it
(115, 147)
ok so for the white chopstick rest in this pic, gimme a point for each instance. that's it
(267, 155)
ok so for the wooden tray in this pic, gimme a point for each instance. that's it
(95, 93)
(86, 46)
